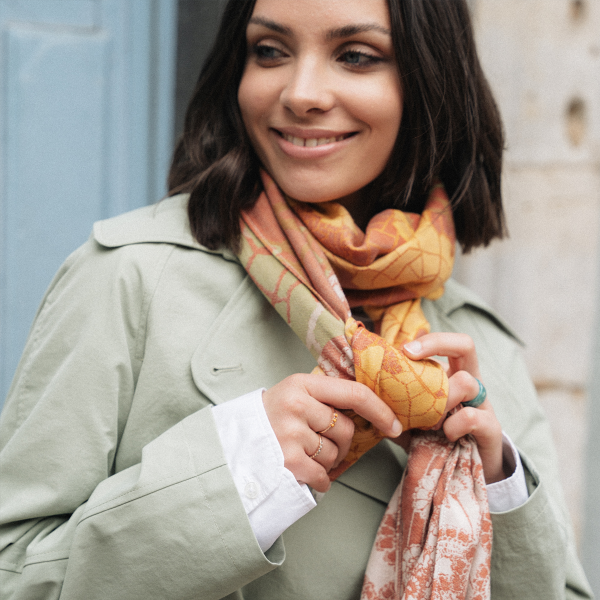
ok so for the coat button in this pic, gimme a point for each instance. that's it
(251, 490)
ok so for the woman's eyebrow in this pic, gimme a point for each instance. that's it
(333, 34)
(272, 25)
(350, 30)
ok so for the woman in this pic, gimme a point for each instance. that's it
(126, 474)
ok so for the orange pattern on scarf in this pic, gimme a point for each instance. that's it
(435, 538)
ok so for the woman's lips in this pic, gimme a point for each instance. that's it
(311, 144)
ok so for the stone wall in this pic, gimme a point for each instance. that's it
(542, 58)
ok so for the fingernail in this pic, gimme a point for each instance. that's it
(413, 347)
(396, 428)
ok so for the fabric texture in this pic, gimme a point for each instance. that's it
(312, 262)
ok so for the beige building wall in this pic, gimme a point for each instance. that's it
(542, 58)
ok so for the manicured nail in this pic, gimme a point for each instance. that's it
(413, 347)
(396, 428)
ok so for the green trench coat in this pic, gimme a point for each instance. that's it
(114, 483)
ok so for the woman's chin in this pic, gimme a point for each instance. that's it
(307, 191)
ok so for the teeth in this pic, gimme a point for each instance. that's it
(311, 142)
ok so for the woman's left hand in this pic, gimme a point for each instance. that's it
(463, 369)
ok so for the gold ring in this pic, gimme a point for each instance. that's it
(319, 448)
(332, 424)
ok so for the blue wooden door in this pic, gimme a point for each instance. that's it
(86, 111)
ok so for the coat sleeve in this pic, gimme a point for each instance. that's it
(172, 526)
(533, 549)
(534, 553)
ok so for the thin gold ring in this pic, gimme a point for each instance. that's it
(319, 448)
(331, 425)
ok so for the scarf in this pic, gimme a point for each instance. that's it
(314, 264)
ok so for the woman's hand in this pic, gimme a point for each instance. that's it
(463, 369)
(302, 405)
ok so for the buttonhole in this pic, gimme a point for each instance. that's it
(230, 369)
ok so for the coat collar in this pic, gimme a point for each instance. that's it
(167, 222)
(457, 296)
(163, 222)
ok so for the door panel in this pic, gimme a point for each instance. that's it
(86, 111)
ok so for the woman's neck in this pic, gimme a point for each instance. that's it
(360, 207)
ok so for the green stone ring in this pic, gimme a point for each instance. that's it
(478, 400)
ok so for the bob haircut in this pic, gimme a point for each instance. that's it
(451, 128)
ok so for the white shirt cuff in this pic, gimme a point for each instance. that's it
(510, 493)
(271, 496)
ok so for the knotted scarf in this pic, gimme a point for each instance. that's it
(314, 264)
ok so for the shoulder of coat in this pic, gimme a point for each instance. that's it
(458, 297)
(165, 222)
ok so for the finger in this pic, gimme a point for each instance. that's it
(314, 475)
(305, 469)
(345, 394)
(301, 412)
(317, 462)
(458, 347)
(485, 428)
(323, 418)
(341, 394)
(331, 424)
(327, 456)
(340, 433)
(462, 388)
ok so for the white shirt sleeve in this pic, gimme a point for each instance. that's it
(272, 497)
(510, 493)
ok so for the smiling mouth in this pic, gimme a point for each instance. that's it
(312, 142)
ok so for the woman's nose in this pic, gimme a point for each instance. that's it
(309, 88)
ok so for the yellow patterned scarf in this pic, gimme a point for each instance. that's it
(314, 264)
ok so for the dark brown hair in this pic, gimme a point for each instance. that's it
(451, 128)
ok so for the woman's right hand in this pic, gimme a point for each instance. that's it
(302, 405)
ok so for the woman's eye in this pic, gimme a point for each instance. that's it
(355, 58)
(266, 53)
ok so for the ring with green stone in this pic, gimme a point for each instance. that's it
(478, 400)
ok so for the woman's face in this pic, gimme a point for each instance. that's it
(320, 95)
